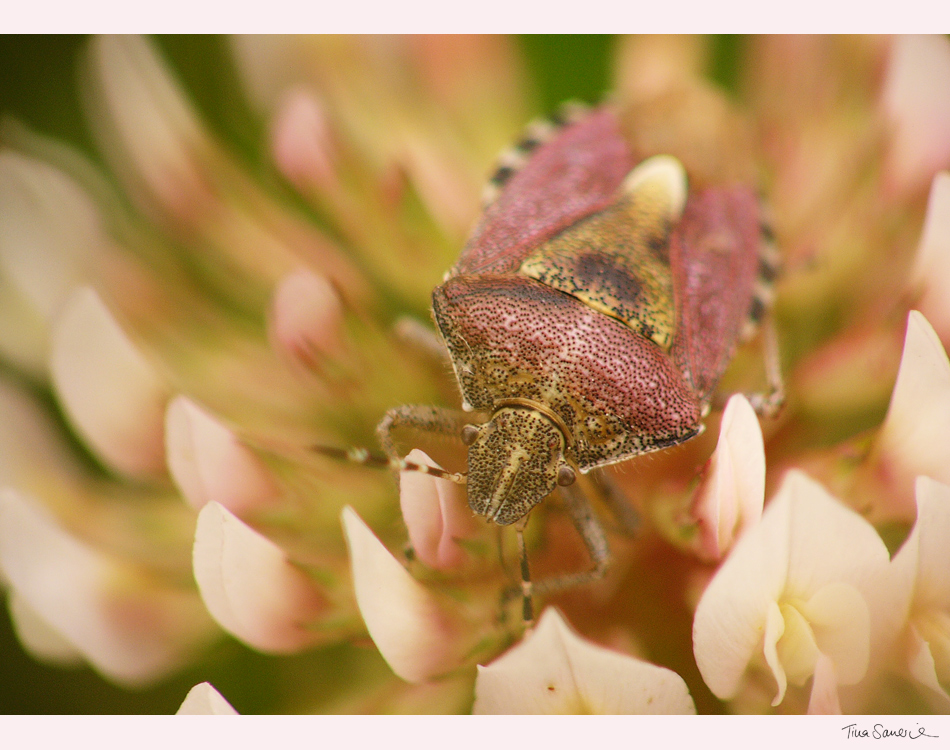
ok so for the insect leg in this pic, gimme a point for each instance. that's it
(594, 538)
(527, 612)
(616, 499)
(426, 418)
(424, 340)
(769, 404)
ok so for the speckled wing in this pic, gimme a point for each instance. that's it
(513, 337)
(715, 260)
(574, 174)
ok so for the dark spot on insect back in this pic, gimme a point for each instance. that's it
(595, 270)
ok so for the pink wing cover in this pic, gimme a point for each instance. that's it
(513, 336)
(714, 258)
(571, 176)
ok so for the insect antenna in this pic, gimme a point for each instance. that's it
(365, 457)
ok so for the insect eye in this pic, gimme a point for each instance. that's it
(469, 434)
(565, 476)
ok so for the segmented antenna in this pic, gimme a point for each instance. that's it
(363, 456)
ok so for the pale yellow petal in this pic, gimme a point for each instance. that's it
(555, 671)
(912, 439)
(111, 394)
(37, 637)
(251, 588)
(204, 700)
(420, 634)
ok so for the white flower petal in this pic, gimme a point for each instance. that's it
(111, 394)
(130, 628)
(931, 272)
(555, 671)
(840, 621)
(922, 665)
(916, 97)
(805, 542)
(419, 634)
(921, 567)
(306, 320)
(204, 700)
(37, 637)
(437, 515)
(929, 542)
(250, 587)
(733, 492)
(773, 632)
(912, 440)
(209, 463)
(733, 612)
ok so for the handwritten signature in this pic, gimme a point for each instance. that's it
(879, 732)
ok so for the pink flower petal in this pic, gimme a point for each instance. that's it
(437, 515)
(916, 97)
(931, 272)
(824, 689)
(733, 491)
(251, 588)
(130, 628)
(301, 141)
(208, 462)
(554, 671)
(420, 634)
(204, 700)
(153, 135)
(307, 318)
(111, 394)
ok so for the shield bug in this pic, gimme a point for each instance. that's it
(588, 319)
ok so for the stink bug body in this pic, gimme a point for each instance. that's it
(589, 317)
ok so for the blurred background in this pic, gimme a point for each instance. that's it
(39, 87)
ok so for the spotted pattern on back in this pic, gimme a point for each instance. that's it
(617, 262)
(513, 337)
